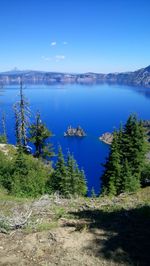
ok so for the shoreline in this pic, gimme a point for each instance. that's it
(107, 138)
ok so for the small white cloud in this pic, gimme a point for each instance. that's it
(53, 43)
(65, 43)
(46, 58)
(56, 58)
(59, 57)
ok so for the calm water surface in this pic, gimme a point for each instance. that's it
(96, 108)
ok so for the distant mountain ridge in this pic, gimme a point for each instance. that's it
(139, 77)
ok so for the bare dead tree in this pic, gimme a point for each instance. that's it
(22, 115)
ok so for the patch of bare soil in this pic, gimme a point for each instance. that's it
(62, 246)
(76, 232)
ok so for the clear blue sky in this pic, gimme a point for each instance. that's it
(74, 35)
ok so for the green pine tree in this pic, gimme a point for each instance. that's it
(93, 194)
(67, 178)
(29, 176)
(58, 179)
(76, 177)
(111, 179)
(82, 186)
(134, 144)
(124, 166)
(71, 173)
(3, 135)
(127, 177)
(38, 135)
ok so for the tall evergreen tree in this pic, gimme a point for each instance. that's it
(29, 176)
(76, 177)
(67, 178)
(111, 179)
(82, 186)
(71, 173)
(93, 194)
(134, 145)
(130, 182)
(4, 126)
(39, 134)
(60, 174)
(126, 159)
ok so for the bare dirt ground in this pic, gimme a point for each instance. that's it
(75, 231)
(62, 246)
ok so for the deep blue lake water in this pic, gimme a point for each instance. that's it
(96, 108)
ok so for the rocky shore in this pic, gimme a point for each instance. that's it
(107, 138)
(74, 132)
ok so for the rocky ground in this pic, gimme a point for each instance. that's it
(57, 231)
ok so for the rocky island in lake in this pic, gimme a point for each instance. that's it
(107, 138)
(74, 132)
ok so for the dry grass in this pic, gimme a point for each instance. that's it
(82, 231)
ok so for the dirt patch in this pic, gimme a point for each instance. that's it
(63, 246)
(76, 232)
